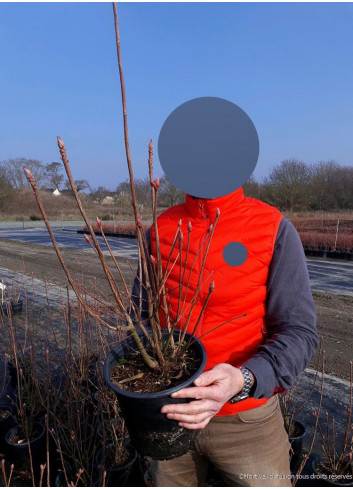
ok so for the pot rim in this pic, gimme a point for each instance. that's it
(154, 395)
(301, 426)
(15, 428)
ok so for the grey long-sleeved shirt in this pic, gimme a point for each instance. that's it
(292, 337)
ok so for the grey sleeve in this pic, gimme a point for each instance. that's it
(290, 318)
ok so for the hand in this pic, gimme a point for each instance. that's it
(213, 389)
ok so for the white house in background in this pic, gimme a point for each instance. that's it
(108, 200)
(53, 191)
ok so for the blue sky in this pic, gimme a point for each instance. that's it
(288, 65)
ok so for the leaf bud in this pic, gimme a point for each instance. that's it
(60, 143)
(27, 172)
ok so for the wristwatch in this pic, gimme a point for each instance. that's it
(245, 392)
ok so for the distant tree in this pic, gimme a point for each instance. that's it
(15, 175)
(252, 188)
(5, 188)
(288, 185)
(324, 188)
(100, 192)
(80, 185)
(142, 189)
(344, 186)
(54, 175)
(169, 194)
(123, 188)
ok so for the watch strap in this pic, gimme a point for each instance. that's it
(245, 392)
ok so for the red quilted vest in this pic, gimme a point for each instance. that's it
(238, 290)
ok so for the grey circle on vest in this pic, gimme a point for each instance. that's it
(235, 254)
(208, 147)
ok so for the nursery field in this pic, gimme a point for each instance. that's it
(325, 231)
(335, 312)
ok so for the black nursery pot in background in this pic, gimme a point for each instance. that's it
(116, 476)
(18, 452)
(296, 440)
(324, 479)
(151, 432)
(17, 307)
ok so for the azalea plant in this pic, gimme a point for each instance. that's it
(158, 350)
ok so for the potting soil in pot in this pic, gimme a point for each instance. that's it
(132, 374)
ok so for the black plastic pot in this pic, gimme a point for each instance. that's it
(151, 432)
(116, 476)
(20, 452)
(16, 307)
(331, 480)
(296, 442)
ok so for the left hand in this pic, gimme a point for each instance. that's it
(213, 389)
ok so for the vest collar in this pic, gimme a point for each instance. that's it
(206, 208)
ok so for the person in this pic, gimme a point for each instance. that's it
(251, 359)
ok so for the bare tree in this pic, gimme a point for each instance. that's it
(142, 190)
(14, 171)
(169, 194)
(81, 185)
(252, 188)
(54, 175)
(344, 186)
(288, 185)
(100, 192)
(5, 188)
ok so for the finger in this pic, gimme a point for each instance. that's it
(195, 426)
(211, 392)
(189, 418)
(195, 407)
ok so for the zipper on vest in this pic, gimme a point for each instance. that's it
(202, 211)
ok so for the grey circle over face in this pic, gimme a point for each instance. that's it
(208, 147)
(235, 254)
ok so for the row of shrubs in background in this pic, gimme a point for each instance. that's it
(333, 235)
(325, 234)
